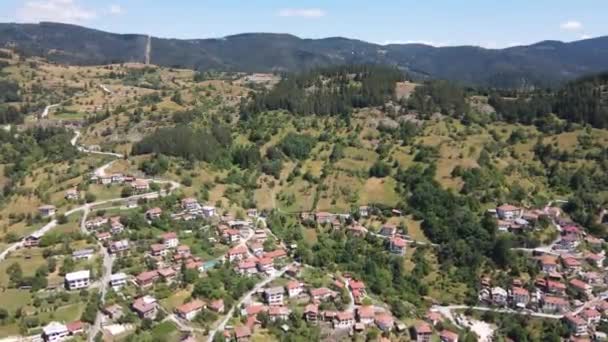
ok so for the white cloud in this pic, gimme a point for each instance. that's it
(66, 11)
(116, 9)
(585, 36)
(302, 12)
(571, 25)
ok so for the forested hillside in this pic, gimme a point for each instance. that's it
(543, 64)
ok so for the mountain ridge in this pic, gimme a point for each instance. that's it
(544, 63)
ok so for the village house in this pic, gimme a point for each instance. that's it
(294, 288)
(508, 212)
(118, 280)
(388, 230)
(32, 240)
(434, 317)
(54, 331)
(568, 242)
(217, 305)
(189, 310)
(448, 336)
(146, 307)
(274, 295)
(237, 253)
(499, 296)
(311, 313)
(256, 248)
(265, 265)
(344, 320)
(248, 267)
(154, 213)
(147, 278)
(571, 264)
(594, 242)
(170, 240)
(323, 217)
(423, 332)
(366, 314)
(520, 297)
(364, 211)
(581, 287)
(83, 254)
(75, 328)
(552, 304)
(140, 185)
(103, 236)
(592, 316)
(117, 178)
(397, 245)
(548, 263)
(71, 195)
(384, 322)
(78, 280)
(158, 250)
(47, 210)
(596, 260)
(231, 236)
(116, 227)
(242, 334)
(168, 274)
(278, 313)
(208, 211)
(252, 212)
(555, 287)
(96, 223)
(113, 311)
(183, 251)
(577, 325)
(190, 203)
(254, 309)
(321, 294)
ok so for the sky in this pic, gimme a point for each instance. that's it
(487, 23)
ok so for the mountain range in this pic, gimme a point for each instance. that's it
(546, 63)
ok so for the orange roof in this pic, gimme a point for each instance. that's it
(169, 236)
(255, 309)
(238, 250)
(293, 284)
(366, 311)
(189, 307)
(507, 207)
(448, 335)
(579, 284)
(146, 276)
(423, 328)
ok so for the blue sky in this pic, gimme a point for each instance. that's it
(489, 23)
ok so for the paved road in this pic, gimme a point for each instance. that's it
(246, 298)
(46, 110)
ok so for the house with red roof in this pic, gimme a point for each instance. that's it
(571, 264)
(217, 305)
(423, 332)
(247, 267)
(596, 259)
(553, 304)
(520, 297)
(344, 320)
(75, 328)
(170, 240)
(581, 286)
(397, 245)
(189, 310)
(366, 314)
(145, 307)
(242, 334)
(276, 254)
(321, 294)
(255, 309)
(592, 316)
(448, 336)
(311, 313)
(158, 250)
(548, 263)
(237, 253)
(147, 278)
(577, 325)
(231, 236)
(278, 312)
(265, 264)
(555, 287)
(168, 274)
(154, 213)
(384, 322)
(508, 212)
(294, 288)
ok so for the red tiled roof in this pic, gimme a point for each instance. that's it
(423, 328)
(448, 335)
(293, 285)
(311, 308)
(242, 332)
(189, 307)
(366, 311)
(555, 300)
(255, 309)
(345, 315)
(238, 250)
(399, 242)
(169, 236)
(579, 284)
(507, 207)
(75, 326)
(356, 285)
(277, 253)
(146, 276)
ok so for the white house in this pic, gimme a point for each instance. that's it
(208, 211)
(54, 331)
(508, 212)
(83, 254)
(118, 280)
(78, 280)
(189, 310)
(47, 210)
(499, 296)
(170, 240)
(274, 295)
(294, 288)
